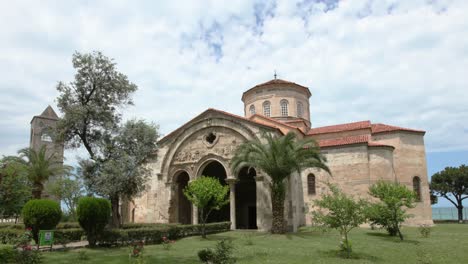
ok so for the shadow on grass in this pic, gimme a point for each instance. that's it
(395, 239)
(334, 253)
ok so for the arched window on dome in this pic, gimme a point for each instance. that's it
(252, 110)
(311, 184)
(417, 187)
(266, 108)
(300, 109)
(284, 107)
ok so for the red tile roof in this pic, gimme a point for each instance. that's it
(352, 140)
(343, 141)
(340, 128)
(381, 128)
(275, 121)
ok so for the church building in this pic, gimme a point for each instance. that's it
(358, 155)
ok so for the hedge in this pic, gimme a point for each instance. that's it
(10, 236)
(150, 233)
(154, 235)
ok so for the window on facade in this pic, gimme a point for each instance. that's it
(252, 110)
(300, 109)
(311, 184)
(266, 108)
(284, 107)
(417, 187)
(46, 137)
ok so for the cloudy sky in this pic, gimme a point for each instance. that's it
(398, 62)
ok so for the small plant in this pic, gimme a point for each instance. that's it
(221, 255)
(167, 243)
(24, 241)
(425, 230)
(137, 249)
(206, 255)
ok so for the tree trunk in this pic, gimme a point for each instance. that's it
(460, 213)
(37, 191)
(277, 205)
(115, 212)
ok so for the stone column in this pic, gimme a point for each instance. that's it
(195, 215)
(232, 200)
(261, 205)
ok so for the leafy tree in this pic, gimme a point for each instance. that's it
(207, 194)
(15, 189)
(40, 167)
(91, 101)
(69, 190)
(452, 184)
(279, 158)
(390, 211)
(120, 173)
(91, 105)
(340, 211)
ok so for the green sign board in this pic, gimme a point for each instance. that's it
(46, 237)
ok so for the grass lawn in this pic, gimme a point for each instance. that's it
(448, 243)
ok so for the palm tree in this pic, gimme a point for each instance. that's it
(39, 167)
(278, 158)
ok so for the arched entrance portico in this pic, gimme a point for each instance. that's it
(246, 199)
(184, 206)
(215, 169)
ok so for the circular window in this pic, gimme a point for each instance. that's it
(210, 138)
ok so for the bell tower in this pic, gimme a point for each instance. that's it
(43, 133)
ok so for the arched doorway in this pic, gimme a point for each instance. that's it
(184, 208)
(216, 170)
(246, 199)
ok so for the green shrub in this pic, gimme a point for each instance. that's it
(65, 236)
(10, 255)
(155, 234)
(425, 230)
(68, 225)
(206, 255)
(222, 254)
(41, 214)
(93, 215)
(9, 236)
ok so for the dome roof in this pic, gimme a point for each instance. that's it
(276, 82)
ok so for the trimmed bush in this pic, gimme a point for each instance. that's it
(93, 216)
(116, 237)
(41, 214)
(65, 236)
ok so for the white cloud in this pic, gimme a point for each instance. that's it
(396, 62)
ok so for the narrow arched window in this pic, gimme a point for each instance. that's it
(284, 107)
(311, 184)
(266, 108)
(300, 109)
(252, 110)
(46, 137)
(417, 187)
